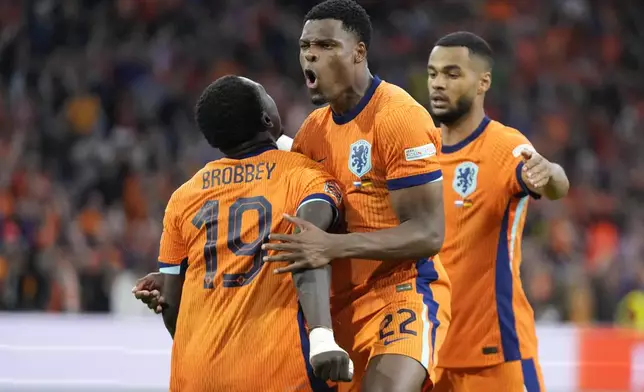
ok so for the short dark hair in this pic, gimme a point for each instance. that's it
(476, 45)
(229, 112)
(354, 18)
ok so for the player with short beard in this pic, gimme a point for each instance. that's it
(490, 172)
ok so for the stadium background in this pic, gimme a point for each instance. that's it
(96, 131)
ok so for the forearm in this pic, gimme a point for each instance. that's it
(409, 240)
(170, 315)
(172, 288)
(314, 285)
(558, 185)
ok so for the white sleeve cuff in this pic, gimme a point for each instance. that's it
(284, 143)
(174, 270)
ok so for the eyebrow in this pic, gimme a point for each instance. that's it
(318, 40)
(450, 67)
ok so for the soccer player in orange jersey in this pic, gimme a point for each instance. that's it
(391, 296)
(236, 326)
(490, 172)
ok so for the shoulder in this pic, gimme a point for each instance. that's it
(508, 136)
(399, 114)
(391, 98)
(298, 172)
(316, 116)
(394, 102)
(188, 189)
(183, 195)
(290, 159)
(506, 143)
(296, 163)
(310, 130)
(312, 122)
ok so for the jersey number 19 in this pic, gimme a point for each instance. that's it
(209, 214)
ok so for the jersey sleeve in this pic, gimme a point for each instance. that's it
(408, 142)
(318, 185)
(173, 252)
(512, 161)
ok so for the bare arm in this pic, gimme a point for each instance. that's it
(556, 187)
(172, 288)
(543, 177)
(173, 262)
(420, 233)
(313, 285)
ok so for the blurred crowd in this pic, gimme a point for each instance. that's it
(96, 130)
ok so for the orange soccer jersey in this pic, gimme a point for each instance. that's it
(485, 208)
(239, 326)
(387, 143)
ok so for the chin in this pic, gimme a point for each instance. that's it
(444, 116)
(438, 112)
(318, 99)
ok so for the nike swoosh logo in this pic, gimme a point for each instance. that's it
(321, 160)
(388, 342)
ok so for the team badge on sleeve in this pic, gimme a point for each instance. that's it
(522, 147)
(464, 182)
(360, 158)
(422, 152)
(333, 189)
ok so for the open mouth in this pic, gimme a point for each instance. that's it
(311, 78)
(439, 102)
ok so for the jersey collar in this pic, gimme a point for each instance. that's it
(463, 143)
(341, 119)
(256, 152)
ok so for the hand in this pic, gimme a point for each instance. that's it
(148, 291)
(536, 168)
(309, 248)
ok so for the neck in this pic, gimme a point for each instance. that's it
(249, 148)
(456, 132)
(350, 98)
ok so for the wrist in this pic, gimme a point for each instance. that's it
(338, 249)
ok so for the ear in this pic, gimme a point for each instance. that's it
(266, 120)
(485, 82)
(360, 53)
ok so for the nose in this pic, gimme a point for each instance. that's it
(437, 83)
(310, 57)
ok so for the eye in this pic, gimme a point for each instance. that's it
(326, 46)
(454, 75)
(304, 45)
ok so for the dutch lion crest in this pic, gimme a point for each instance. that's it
(465, 178)
(360, 158)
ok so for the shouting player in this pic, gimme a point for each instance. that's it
(490, 172)
(391, 297)
(223, 309)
